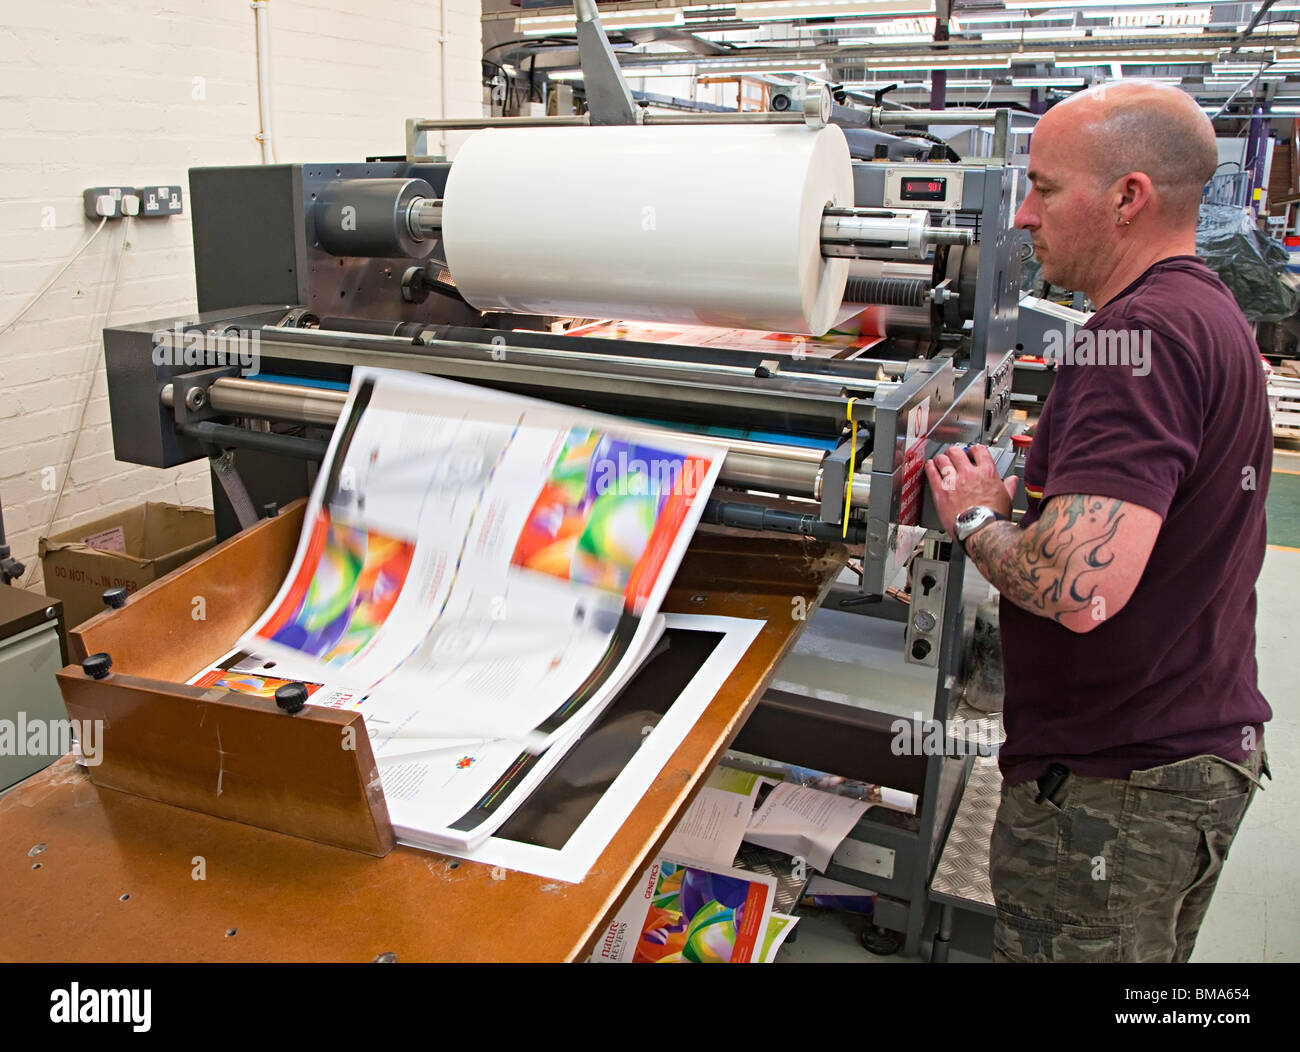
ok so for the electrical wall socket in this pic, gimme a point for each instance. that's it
(159, 201)
(110, 196)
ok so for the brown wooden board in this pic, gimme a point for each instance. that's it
(230, 755)
(180, 623)
(311, 774)
(205, 889)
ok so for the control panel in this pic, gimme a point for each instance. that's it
(935, 186)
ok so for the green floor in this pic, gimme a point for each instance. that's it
(1284, 509)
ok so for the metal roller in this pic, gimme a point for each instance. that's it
(882, 233)
(888, 292)
(402, 217)
(772, 467)
(372, 218)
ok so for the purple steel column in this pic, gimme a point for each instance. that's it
(939, 77)
(1258, 138)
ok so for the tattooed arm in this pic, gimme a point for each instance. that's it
(1078, 564)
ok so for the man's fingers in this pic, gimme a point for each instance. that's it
(984, 460)
(959, 456)
(941, 473)
(1012, 482)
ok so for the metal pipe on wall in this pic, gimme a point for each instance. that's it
(442, 68)
(261, 16)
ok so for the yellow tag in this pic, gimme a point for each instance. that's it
(853, 456)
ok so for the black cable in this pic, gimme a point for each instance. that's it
(908, 133)
(559, 39)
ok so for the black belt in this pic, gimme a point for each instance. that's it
(1049, 783)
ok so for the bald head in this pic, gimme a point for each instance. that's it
(1142, 126)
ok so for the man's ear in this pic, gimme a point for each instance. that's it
(1133, 194)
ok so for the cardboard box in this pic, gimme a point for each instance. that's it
(126, 550)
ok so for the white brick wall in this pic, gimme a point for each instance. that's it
(137, 92)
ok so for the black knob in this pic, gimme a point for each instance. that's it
(938, 153)
(115, 597)
(881, 152)
(270, 510)
(292, 697)
(97, 665)
(920, 649)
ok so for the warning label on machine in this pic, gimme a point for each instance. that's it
(909, 501)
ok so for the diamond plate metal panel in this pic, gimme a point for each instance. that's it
(962, 875)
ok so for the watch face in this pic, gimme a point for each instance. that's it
(971, 519)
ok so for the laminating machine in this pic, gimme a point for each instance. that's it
(305, 271)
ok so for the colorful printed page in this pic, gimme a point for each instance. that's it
(849, 339)
(451, 795)
(714, 825)
(246, 673)
(805, 822)
(689, 913)
(779, 925)
(481, 566)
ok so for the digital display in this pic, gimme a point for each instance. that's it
(928, 189)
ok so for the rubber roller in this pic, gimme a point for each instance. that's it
(373, 218)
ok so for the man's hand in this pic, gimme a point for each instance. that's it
(962, 478)
(1078, 563)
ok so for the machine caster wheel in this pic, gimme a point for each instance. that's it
(881, 942)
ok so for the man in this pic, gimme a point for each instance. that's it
(1133, 718)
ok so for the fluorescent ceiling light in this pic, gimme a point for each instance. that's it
(786, 10)
(1153, 31)
(919, 38)
(766, 66)
(882, 69)
(996, 16)
(541, 25)
(1288, 28)
(1049, 5)
(1047, 82)
(880, 85)
(1033, 34)
(1133, 58)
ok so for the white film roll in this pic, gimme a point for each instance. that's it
(696, 224)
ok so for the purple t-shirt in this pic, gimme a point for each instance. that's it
(1176, 421)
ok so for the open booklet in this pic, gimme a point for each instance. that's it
(479, 574)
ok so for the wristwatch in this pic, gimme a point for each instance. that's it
(973, 519)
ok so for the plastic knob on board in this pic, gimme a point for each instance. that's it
(97, 666)
(115, 597)
(291, 697)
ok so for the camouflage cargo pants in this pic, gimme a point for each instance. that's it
(1112, 869)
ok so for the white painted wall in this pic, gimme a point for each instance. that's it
(137, 92)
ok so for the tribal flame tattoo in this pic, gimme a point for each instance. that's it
(1051, 568)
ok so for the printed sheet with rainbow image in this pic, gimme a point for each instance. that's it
(479, 573)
